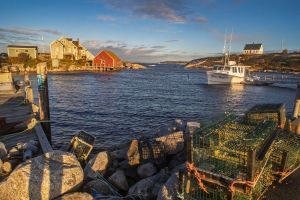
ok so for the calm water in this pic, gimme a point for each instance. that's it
(116, 107)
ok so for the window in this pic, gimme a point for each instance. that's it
(242, 70)
(16, 50)
(26, 50)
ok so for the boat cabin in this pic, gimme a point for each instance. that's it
(234, 69)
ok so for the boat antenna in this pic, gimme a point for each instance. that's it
(229, 48)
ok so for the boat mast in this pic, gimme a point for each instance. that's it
(224, 48)
(229, 48)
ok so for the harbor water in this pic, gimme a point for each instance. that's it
(116, 107)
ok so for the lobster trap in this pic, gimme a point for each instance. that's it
(286, 154)
(261, 112)
(81, 145)
(151, 150)
(229, 159)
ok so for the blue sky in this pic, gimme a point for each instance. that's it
(157, 30)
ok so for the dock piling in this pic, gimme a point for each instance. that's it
(297, 103)
(44, 99)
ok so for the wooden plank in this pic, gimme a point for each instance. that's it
(46, 147)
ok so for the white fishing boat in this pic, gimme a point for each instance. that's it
(229, 73)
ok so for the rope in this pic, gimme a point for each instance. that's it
(180, 195)
(248, 183)
(193, 169)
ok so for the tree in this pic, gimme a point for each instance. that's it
(23, 57)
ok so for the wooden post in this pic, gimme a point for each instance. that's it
(26, 78)
(189, 151)
(189, 147)
(28, 90)
(181, 182)
(250, 169)
(283, 161)
(44, 99)
(251, 165)
(229, 195)
(297, 102)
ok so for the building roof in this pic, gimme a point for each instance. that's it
(252, 46)
(112, 54)
(21, 46)
(76, 43)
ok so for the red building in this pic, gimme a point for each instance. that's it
(107, 59)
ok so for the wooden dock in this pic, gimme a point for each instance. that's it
(18, 122)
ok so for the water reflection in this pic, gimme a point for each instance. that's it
(116, 107)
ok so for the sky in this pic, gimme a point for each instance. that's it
(152, 30)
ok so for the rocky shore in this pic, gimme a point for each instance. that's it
(145, 168)
(70, 68)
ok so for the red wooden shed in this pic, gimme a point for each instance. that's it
(107, 59)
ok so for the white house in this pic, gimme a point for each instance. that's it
(15, 50)
(253, 49)
(67, 48)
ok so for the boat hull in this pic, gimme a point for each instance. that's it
(219, 79)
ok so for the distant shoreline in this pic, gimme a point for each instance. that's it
(272, 63)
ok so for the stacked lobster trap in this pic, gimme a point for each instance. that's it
(236, 157)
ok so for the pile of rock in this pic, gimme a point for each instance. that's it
(135, 66)
(9, 159)
(143, 169)
(147, 168)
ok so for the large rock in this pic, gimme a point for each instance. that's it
(133, 154)
(147, 187)
(118, 179)
(169, 191)
(146, 170)
(14, 152)
(3, 151)
(99, 163)
(76, 196)
(44, 177)
(137, 66)
(130, 171)
(98, 186)
(173, 142)
(173, 163)
(191, 127)
(120, 153)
